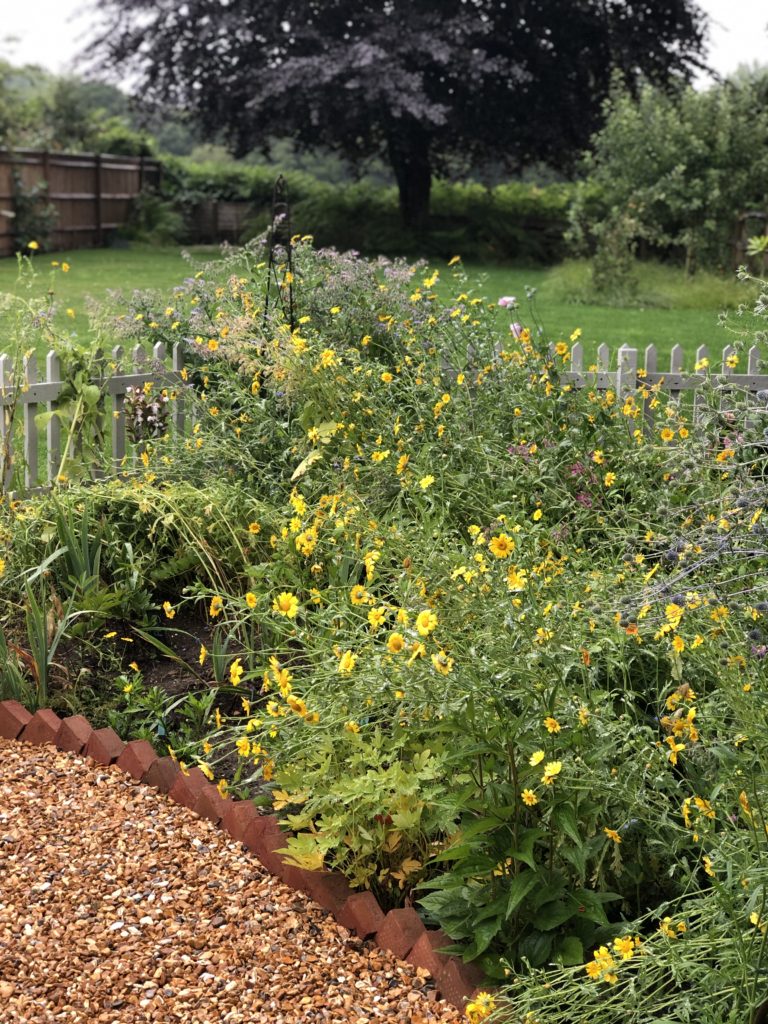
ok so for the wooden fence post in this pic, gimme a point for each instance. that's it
(97, 197)
(6, 420)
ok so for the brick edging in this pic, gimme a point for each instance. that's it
(401, 931)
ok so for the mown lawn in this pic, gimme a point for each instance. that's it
(668, 309)
(92, 273)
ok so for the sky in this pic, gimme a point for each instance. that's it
(51, 32)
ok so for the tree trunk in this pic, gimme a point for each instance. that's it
(409, 157)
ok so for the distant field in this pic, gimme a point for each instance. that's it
(669, 308)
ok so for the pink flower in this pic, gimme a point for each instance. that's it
(517, 329)
(508, 301)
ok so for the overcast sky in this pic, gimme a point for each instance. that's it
(50, 32)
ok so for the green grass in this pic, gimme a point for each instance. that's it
(92, 273)
(669, 309)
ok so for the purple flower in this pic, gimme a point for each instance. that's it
(584, 499)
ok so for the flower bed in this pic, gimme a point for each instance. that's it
(491, 645)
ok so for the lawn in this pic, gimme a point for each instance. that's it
(669, 309)
(92, 273)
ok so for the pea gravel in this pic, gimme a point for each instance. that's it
(119, 907)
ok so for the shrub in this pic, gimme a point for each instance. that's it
(675, 167)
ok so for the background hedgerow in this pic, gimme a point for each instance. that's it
(488, 644)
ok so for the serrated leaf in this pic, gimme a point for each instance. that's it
(519, 889)
(524, 851)
(564, 818)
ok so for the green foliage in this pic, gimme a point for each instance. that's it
(146, 713)
(33, 217)
(675, 169)
(153, 220)
(478, 222)
(368, 805)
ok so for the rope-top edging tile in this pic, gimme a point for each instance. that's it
(401, 931)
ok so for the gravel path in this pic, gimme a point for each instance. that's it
(120, 907)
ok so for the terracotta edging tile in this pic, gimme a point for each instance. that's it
(187, 787)
(457, 981)
(73, 734)
(41, 728)
(237, 817)
(104, 746)
(137, 758)
(362, 914)
(13, 719)
(401, 931)
(161, 774)
(210, 803)
(424, 952)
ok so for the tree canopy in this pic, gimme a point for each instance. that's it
(431, 88)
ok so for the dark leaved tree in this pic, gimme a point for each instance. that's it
(428, 86)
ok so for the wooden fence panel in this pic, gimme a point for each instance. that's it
(92, 192)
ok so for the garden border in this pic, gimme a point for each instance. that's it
(401, 931)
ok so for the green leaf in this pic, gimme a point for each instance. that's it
(536, 948)
(524, 851)
(304, 465)
(564, 819)
(91, 395)
(569, 951)
(44, 418)
(483, 934)
(326, 431)
(589, 904)
(553, 914)
(519, 889)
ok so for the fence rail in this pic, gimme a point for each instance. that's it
(91, 192)
(24, 395)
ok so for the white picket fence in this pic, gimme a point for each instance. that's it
(629, 377)
(32, 395)
(141, 367)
